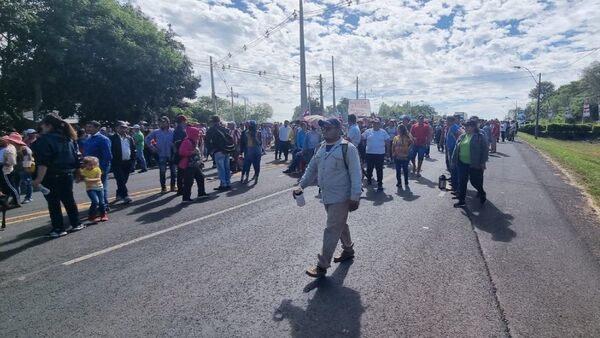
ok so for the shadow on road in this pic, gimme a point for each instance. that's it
(500, 154)
(425, 181)
(407, 194)
(240, 188)
(38, 236)
(490, 219)
(334, 310)
(145, 204)
(377, 197)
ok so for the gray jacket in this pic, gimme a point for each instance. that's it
(479, 150)
(337, 184)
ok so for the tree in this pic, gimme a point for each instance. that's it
(314, 109)
(547, 90)
(591, 77)
(98, 59)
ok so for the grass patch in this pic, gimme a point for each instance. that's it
(580, 158)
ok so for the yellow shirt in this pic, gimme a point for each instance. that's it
(92, 178)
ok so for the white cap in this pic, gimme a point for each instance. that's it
(136, 126)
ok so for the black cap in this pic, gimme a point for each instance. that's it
(331, 122)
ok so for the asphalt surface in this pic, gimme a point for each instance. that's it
(524, 265)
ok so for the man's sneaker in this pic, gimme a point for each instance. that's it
(418, 174)
(316, 271)
(202, 197)
(118, 199)
(92, 218)
(379, 187)
(56, 234)
(187, 201)
(78, 227)
(459, 204)
(27, 200)
(173, 188)
(163, 190)
(103, 217)
(483, 198)
(227, 188)
(344, 256)
(287, 171)
(127, 200)
(142, 171)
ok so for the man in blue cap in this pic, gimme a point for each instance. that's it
(336, 166)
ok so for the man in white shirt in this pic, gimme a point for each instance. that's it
(284, 139)
(124, 154)
(376, 149)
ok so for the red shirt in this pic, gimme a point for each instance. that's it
(420, 133)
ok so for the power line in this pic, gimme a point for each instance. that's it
(594, 50)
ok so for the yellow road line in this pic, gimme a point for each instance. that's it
(41, 214)
(44, 213)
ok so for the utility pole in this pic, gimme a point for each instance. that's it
(333, 76)
(537, 113)
(357, 87)
(245, 108)
(302, 61)
(321, 93)
(308, 100)
(212, 86)
(232, 108)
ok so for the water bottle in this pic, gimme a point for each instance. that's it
(44, 190)
(299, 197)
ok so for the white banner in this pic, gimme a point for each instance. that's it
(586, 110)
(359, 107)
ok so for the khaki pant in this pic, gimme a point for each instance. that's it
(337, 228)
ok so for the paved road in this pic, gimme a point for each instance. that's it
(524, 265)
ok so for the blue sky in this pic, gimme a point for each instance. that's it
(454, 55)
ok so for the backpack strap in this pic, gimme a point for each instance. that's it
(345, 154)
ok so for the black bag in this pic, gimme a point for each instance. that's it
(195, 161)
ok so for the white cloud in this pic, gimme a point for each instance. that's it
(396, 50)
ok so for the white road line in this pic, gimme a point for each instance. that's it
(175, 227)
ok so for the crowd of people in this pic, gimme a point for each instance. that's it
(56, 156)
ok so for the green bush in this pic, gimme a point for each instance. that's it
(569, 128)
(529, 128)
(564, 131)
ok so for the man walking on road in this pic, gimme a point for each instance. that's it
(284, 139)
(336, 165)
(138, 137)
(123, 150)
(377, 147)
(421, 133)
(217, 141)
(161, 143)
(99, 146)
